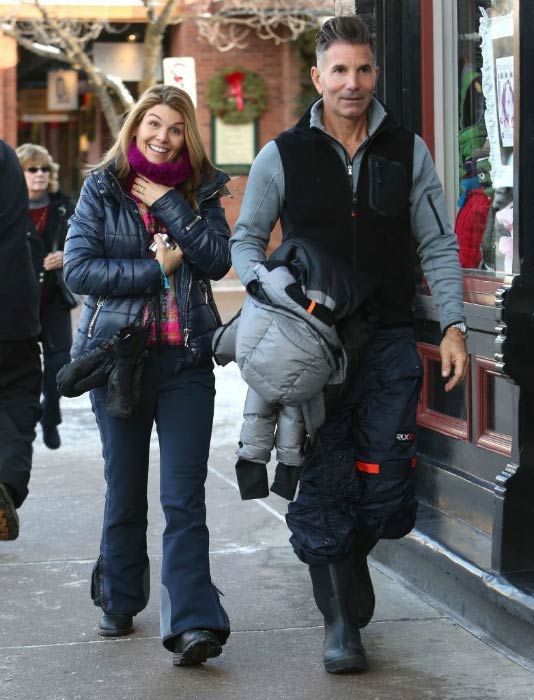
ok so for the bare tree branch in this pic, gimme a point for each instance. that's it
(152, 46)
(230, 22)
(225, 24)
(150, 12)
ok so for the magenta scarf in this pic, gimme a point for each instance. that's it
(168, 174)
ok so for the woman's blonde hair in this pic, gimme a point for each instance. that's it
(180, 101)
(32, 154)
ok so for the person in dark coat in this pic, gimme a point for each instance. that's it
(350, 177)
(155, 182)
(49, 213)
(20, 362)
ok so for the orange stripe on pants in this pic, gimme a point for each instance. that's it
(368, 468)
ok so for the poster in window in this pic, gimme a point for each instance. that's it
(497, 44)
(180, 72)
(62, 90)
(504, 71)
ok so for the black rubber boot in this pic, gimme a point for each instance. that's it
(334, 592)
(365, 595)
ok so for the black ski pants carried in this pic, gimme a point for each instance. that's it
(357, 483)
(20, 389)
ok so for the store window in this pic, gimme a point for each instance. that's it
(484, 221)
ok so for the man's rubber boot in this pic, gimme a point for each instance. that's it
(365, 595)
(334, 591)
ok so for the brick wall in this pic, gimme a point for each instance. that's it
(277, 65)
(8, 90)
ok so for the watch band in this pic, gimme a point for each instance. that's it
(460, 325)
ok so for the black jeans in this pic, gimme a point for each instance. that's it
(20, 388)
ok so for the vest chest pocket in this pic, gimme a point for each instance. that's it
(388, 186)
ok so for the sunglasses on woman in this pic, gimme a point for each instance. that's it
(43, 168)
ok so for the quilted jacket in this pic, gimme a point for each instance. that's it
(106, 257)
(288, 349)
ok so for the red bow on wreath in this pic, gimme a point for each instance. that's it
(235, 81)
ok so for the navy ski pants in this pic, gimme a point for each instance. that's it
(181, 405)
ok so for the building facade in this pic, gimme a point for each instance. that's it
(471, 547)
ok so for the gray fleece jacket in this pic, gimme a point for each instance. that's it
(263, 205)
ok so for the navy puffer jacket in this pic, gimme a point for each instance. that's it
(106, 257)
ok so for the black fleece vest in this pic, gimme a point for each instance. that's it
(371, 230)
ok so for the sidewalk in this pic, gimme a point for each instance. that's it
(50, 650)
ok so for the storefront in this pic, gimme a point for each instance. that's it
(475, 477)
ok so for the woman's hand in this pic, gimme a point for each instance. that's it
(53, 261)
(170, 259)
(147, 191)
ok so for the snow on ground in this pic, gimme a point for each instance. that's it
(78, 419)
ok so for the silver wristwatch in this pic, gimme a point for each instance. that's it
(461, 326)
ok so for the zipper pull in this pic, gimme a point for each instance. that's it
(187, 331)
(99, 305)
(205, 288)
(349, 169)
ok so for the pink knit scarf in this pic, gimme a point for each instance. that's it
(169, 174)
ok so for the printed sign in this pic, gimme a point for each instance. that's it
(180, 72)
(504, 73)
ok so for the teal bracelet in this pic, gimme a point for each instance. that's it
(164, 277)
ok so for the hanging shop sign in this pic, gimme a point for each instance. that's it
(62, 90)
(180, 72)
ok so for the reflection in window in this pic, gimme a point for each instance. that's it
(452, 403)
(484, 222)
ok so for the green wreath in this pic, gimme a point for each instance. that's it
(236, 96)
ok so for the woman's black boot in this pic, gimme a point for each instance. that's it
(115, 625)
(334, 592)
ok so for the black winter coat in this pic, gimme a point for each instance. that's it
(56, 328)
(107, 258)
(19, 307)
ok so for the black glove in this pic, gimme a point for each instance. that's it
(251, 479)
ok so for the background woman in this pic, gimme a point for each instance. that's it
(50, 210)
(156, 179)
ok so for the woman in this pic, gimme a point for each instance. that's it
(49, 214)
(156, 179)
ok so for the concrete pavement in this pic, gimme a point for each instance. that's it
(50, 650)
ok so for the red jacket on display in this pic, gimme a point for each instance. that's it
(470, 225)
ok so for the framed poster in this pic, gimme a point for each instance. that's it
(497, 44)
(62, 90)
(234, 146)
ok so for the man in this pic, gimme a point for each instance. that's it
(351, 178)
(20, 364)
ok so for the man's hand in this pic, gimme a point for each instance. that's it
(453, 353)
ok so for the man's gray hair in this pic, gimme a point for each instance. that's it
(349, 30)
